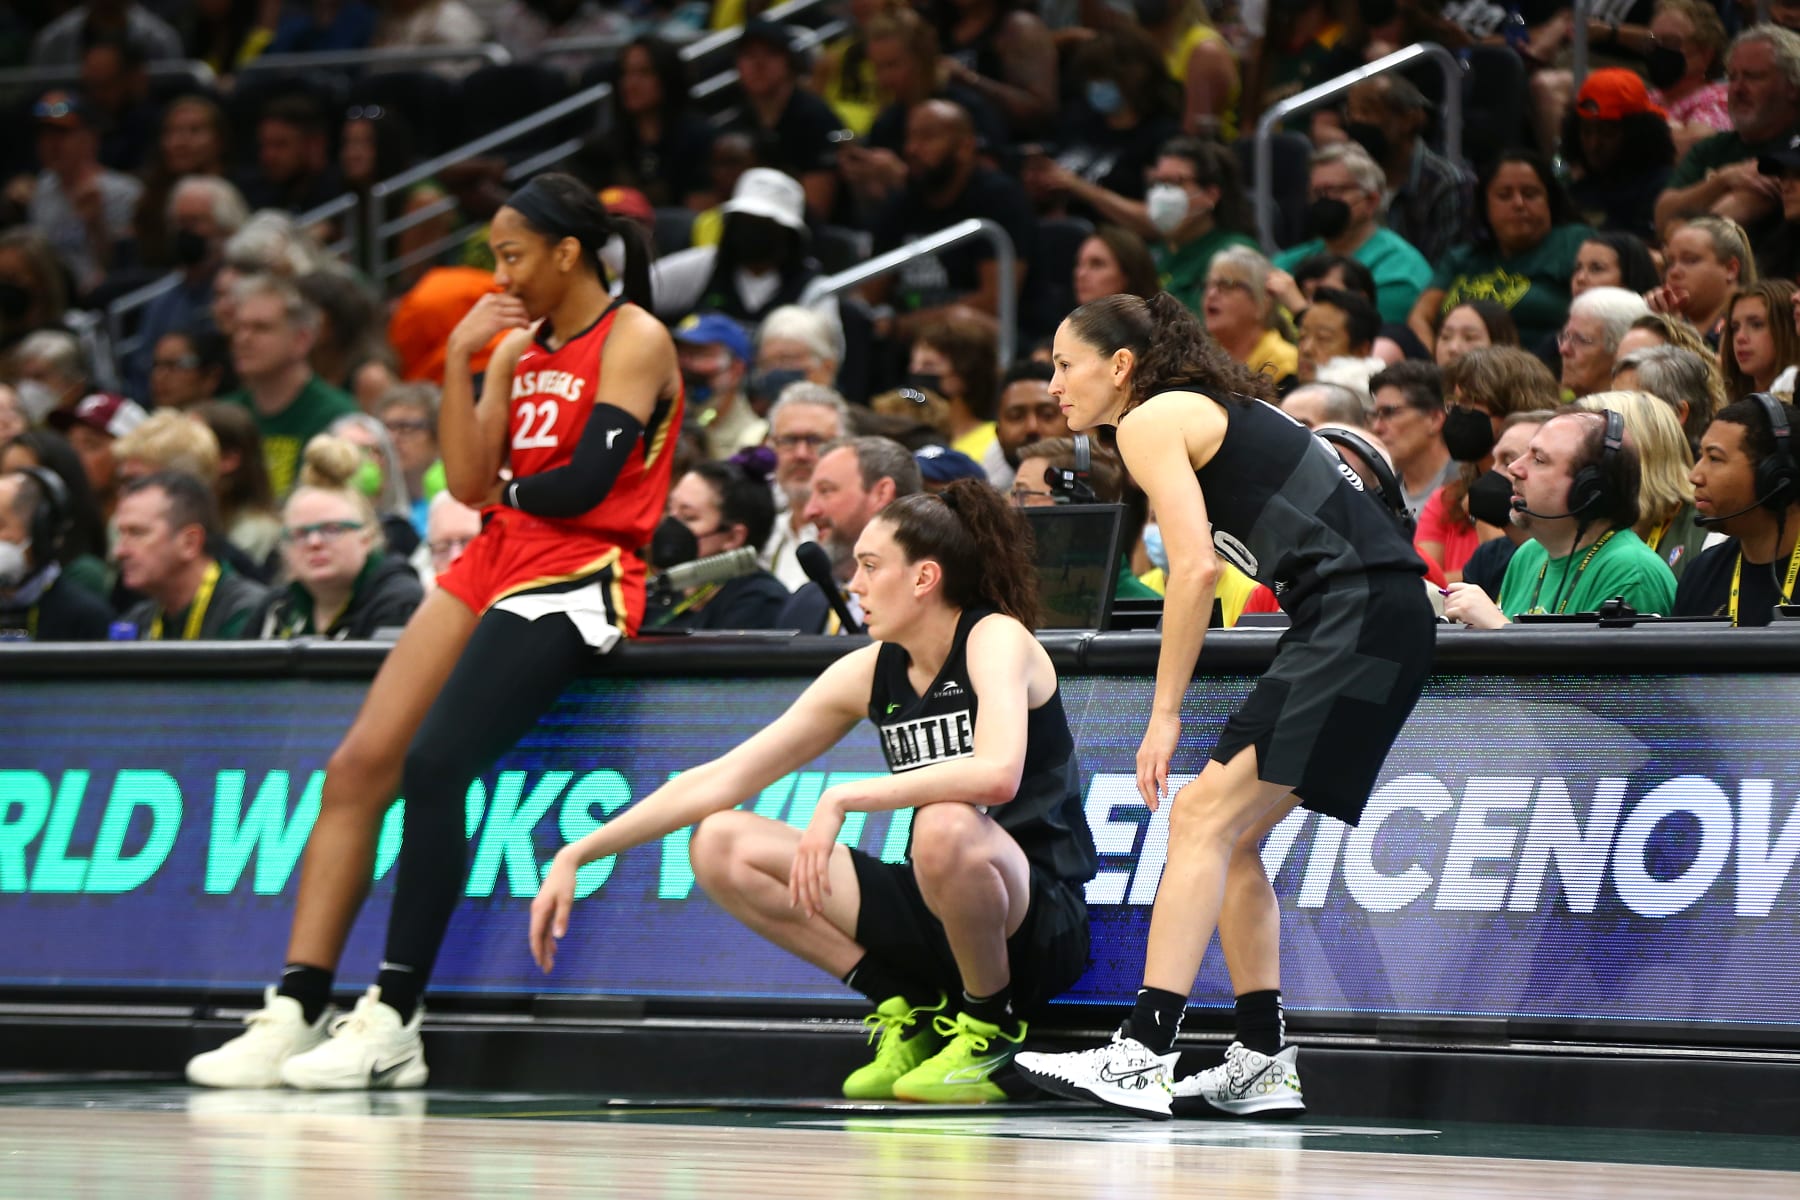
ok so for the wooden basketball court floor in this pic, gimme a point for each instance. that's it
(149, 1141)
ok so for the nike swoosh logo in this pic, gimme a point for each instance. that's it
(1241, 1089)
(380, 1075)
(1108, 1075)
(612, 435)
(976, 1071)
(892, 707)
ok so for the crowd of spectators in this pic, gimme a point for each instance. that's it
(259, 457)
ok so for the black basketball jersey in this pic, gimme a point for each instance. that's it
(1046, 816)
(1288, 512)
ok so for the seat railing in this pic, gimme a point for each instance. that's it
(168, 68)
(1005, 260)
(492, 53)
(1263, 196)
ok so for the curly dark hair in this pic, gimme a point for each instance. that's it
(983, 544)
(1171, 346)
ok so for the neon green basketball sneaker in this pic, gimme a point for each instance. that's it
(962, 1072)
(901, 1043)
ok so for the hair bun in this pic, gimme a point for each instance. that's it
(757, 462)
(330, 462)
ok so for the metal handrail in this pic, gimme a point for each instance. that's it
(493, 52)
(379, 230)
(952, 235)
(805, 40)
(1578, 42)
(1312, 97)
(193, 68)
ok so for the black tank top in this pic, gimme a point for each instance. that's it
(1287, 511)
(1046, 816)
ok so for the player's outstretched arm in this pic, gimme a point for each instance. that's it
(815, 722)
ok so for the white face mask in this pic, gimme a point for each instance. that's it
(13, 567)
(1167, 207)
(1153, 546)
(36, 398)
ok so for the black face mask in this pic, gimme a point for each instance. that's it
(926, 381)
(1665, 67)
(190, 248)
(15, 301)
(1327, 218)
(1372, 138)
(768, 385)
(672, 544)
(1490, 499)
(1468, 433)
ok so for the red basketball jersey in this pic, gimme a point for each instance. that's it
(553, 394)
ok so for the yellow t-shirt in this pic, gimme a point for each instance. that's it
(1177, 61)
(1233, 589)
(1274, 354)
(851, 96)
(975, 443)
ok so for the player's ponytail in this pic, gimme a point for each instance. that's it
(561, 206)
(982, 543)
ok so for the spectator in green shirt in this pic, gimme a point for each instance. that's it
(1719, 175)
(272, 334)
(1348, 194)
(1582, 551)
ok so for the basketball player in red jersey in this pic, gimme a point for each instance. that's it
(582, 399)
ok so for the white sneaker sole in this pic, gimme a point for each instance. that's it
(1135, 1102)
(1268, 1107)
(412, 1075)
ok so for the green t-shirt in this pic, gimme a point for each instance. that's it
(1622, 566)
(1183, 268)
(1533, 286)
(1127, 586)
(1719, 150)
(284, 435)
(1400, 271)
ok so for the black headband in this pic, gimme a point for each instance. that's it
(556, 218)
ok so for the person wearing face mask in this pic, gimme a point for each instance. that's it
(50, 372)
(1195, 207)
(37, 601)
(1430, 198)
(204, 210)
(1348, 199)
(714, 353)
(760, 263)
(1481, 388)
(726, 506)
(1684, 61)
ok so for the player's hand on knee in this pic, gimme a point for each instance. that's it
(550, 911)
(809, 880)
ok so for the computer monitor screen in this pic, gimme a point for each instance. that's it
(1077, 556)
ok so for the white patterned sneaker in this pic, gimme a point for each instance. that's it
(253, 1059)
(1248, 1083)
(368, 1049)
(1125, 1074)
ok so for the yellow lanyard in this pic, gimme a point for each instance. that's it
(1656, 535)
(1569, 595)
(196, 610)
(1787, 587)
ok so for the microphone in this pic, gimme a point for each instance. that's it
(714, 568)
(817, 565)
(1518, 504)
(1718, 519)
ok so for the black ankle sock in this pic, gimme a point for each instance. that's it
(400, 987)
(1260, 1025)
(995, 1009)
(311, 986)
(879, 981)
(1156, 1019)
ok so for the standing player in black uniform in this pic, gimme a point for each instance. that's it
(1232, 477)
(986, 920)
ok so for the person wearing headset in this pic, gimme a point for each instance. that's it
(1746, 486)
(1575, 490)
(36, 602)
(1070, 470)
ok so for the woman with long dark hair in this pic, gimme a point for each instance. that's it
(580, 402)
(959, 945)
(1230, 477)
(657, 144)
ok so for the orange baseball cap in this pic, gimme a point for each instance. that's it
(1614, 93)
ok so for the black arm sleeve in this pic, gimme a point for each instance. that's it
(571, 490)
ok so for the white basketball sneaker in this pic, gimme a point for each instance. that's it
(369, 1048)
(1125, 1074)
(1248, 1083)
(253, 1059)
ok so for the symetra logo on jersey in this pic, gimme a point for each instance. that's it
(909, 745)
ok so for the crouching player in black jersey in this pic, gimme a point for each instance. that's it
(985, 920)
